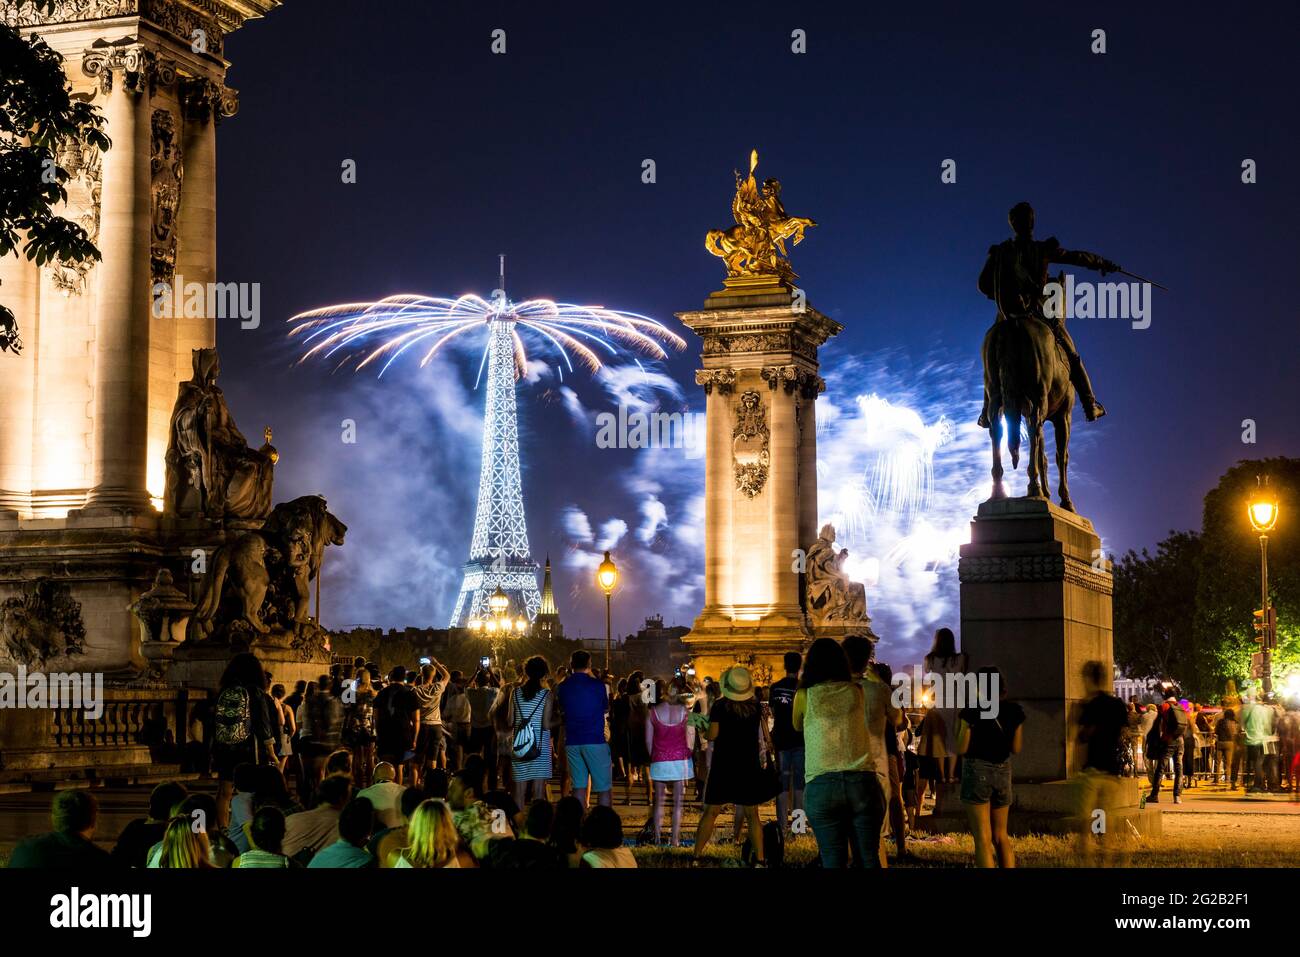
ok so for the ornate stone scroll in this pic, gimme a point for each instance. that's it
(749, 445)
(167, 172)
(84, 166)
(723, 379)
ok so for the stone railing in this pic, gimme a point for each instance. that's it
(138, 726)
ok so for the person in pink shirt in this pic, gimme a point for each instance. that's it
(670, 740)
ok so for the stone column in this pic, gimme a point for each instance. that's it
(20, 284)
(783, 476)
(717, 490)
(123, 286)
(196, 253)
(810, 388)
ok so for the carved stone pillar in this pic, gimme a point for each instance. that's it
(121, 347)
(760, 475)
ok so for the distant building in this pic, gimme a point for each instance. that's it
(656, 650)
(547, 624)
(1140, 688)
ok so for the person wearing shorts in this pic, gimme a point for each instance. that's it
(584, 702)
(987, 736)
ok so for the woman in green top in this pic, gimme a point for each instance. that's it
(841, 795)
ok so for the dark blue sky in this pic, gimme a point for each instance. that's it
(1135, 154)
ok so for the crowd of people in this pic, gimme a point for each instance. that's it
(1250, 742)
(428, 769)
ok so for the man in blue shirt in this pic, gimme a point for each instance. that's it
(583, 704)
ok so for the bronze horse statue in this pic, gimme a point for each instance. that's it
(1027, 375)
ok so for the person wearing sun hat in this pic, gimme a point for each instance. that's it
(736, 773)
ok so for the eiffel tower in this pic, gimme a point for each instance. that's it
(499, 556)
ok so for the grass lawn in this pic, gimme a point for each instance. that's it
(1190, 840)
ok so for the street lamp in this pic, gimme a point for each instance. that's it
(1263, 516)
(499, 626)
(607, 578)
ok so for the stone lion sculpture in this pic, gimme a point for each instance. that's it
(263, 578)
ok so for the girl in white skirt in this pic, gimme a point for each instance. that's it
(670, 740)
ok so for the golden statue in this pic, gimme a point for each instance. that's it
(755, 246)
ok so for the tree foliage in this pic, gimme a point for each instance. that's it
(38, 114)
(1228, 590)
(1185, 612)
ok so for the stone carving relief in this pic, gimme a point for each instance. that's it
(749, 444)
(42, 623)
(66, 11)
(180, 20)
(84, 166)
(990, 569)
(167, 171)
(717, 344)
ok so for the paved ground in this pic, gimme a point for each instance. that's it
(1218, 799)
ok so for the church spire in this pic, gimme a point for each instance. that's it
(547, 624)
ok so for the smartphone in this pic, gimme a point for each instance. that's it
(485, 662)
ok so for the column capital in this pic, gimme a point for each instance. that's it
(203, 99)
(724, 379)
(139, 67)
(808, 384)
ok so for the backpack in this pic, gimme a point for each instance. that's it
(233, 717)
(526, 747)
(1170, 728)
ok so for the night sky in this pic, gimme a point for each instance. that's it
(1135, 154)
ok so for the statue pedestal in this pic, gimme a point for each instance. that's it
(1034, 604)
(200, 664)
(760, 342)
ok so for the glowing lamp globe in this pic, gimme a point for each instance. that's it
(607, 575)
(490, 626)
(520, 624)
(1263, 514)
(499, 602)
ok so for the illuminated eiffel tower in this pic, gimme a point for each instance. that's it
(499, 555)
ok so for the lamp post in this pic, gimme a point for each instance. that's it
(607, 578)
(1263, 516)
(499, 626)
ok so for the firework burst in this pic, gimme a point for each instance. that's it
(358, 335)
